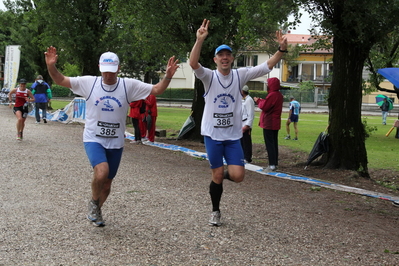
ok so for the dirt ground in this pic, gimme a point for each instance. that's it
(294, 163)
(158, 210)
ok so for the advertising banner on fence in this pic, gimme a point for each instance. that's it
(75, 111)
(11, 66)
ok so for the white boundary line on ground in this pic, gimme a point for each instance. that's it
(258, 169)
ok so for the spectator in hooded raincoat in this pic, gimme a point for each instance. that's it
(270, 120)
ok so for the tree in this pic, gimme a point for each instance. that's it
(144, 25)
(21, 31)
(77, 29)
(241, 25)
(383, 54)
(356, 25)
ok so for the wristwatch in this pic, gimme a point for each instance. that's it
(283, 51)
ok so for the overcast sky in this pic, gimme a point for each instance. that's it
(304, 27)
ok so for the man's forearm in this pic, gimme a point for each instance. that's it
(161, 86)
(195, 54)
(274, 59)
(57, 77)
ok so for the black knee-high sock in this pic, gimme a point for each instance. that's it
(216, 191)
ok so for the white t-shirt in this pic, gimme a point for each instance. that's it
(222, 118)
(248, 111)
(107, 107)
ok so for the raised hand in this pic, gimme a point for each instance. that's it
(171, 67)
(202, 32)
(51, 55)
(282, 40)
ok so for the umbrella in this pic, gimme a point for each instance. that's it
(379, 99)
(320, 147)
(391, 74)
(187, 126)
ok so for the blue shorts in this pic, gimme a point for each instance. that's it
(98, 154)
(231, 150)
(294, 118)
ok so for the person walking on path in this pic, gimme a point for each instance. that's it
(136, 115)
(270, 120)
(293, 117)
(107, 102)
(23, 97)
(384, 108)
(248, 114)
(43, 95)
(221, 123)
(152, 113)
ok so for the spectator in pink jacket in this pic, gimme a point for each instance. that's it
(270, 120)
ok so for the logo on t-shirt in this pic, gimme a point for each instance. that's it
(224, 100)
(108, 102)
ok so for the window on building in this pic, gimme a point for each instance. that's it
(247, 60)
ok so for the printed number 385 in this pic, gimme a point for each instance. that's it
(108, 131)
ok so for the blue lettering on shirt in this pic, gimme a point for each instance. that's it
(224, 99)
(107, 102)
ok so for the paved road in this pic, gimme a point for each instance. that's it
(158, 210)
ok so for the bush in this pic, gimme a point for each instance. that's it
(177, 94)
(188, 94)
(59, 91)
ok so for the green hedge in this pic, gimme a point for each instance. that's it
(188, 94)
(59, 91)
(184, 94)
(56, 90)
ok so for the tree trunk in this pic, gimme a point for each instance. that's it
(346, 130)
(197, 109)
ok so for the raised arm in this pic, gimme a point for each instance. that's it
(282, 40)
(51, 60)
(171, 68)
(202, 33)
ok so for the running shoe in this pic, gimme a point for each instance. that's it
(94, 214)
(215, 219)
(288, 137)
(270, 168)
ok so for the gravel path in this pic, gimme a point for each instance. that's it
(158, 210)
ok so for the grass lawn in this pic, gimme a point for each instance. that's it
(381, 150)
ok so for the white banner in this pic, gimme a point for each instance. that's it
(75, 111)
(11, 66)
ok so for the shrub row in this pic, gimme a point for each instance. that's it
(181, 94)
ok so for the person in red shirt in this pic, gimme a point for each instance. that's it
(23, 97)
(152, 113)
(136, 115)
(270, 120)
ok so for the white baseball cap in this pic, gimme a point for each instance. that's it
(109, 62)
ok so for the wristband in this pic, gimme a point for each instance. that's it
(282, 51)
